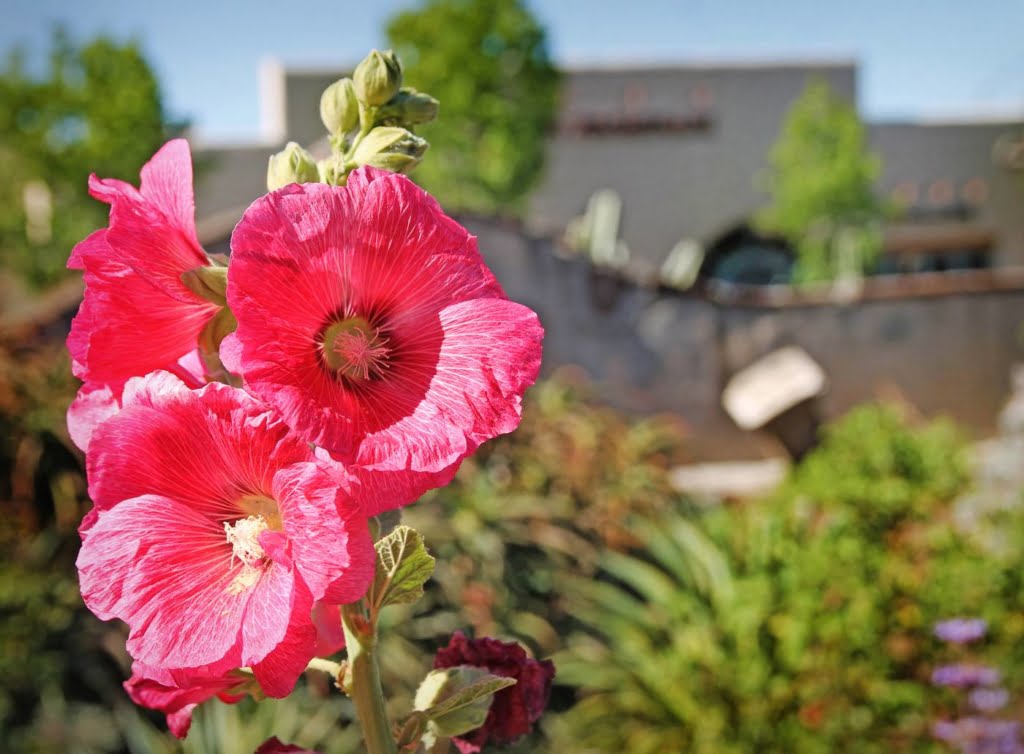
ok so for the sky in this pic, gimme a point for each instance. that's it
(919, 59)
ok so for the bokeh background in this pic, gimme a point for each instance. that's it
(778, 249)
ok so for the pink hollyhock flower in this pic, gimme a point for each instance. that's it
(369, 320)
(137, 314)
(515, 709)
(150, 688)
(213, 533)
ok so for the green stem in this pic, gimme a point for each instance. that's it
(327, 666)
(362, 680)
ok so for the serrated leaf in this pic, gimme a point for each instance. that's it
(403, 567)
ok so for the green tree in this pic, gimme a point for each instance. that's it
(821, 180)
(487, 62)
(97, 108)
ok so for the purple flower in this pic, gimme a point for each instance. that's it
(964, 675)
(979, 735)
(961, 630)
(988, 700)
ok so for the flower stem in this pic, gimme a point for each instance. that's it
(327, 666)
(362, 680)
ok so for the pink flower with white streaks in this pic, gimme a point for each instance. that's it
(137, 314)
(367, 317)
(213, 533)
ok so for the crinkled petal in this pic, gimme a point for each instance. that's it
(330, 636)
(153, 230)
(279, 638)
(94, 404)
(204, 448)
(167, 572)
(176, 702)
(328, 530)
(126, 326)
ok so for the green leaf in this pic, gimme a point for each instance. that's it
(403, 567)
(457, 700)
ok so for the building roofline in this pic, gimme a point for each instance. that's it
(709, 63)
(1005, 119)
(633, 65)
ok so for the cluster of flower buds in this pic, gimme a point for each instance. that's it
(247, 420)
(370, 119)
(978, 730)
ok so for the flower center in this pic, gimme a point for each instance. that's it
(354, 348)
(244, 538)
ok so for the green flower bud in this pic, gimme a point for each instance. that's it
(390, 148)
(409, 108)
(208, 282)
(293, 164)
(378, 78)
(441, 685)
(339, 108)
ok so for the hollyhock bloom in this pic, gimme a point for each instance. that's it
(516, 708)
(369, 320)
(213, 533)
(137, 314)
(961, 630)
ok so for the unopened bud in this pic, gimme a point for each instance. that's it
(409, 108)
(339, 108)
(209, 282)
(391, 148)
(293, 164)
(378, 78)
(442, 684)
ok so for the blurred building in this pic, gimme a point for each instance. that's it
(683, 145)
(671, 155)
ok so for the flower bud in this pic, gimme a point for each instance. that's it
(378, 78)
(409, 108)
(441, 684)
(339, 108)
(293, 164)
(390, 148)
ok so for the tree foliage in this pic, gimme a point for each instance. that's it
(96, 108)
(487, 62)
(821, 180)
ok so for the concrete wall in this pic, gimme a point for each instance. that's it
(674, 184)
(946, 348)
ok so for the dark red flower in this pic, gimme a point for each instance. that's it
(515, 709)
(275, 746)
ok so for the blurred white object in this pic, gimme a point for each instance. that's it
(771, 386)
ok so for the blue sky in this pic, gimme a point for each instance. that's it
(919, 58)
